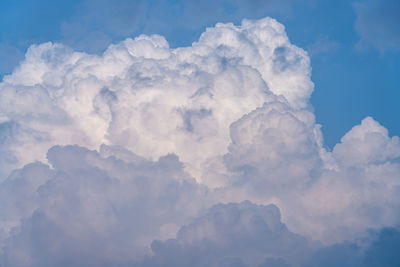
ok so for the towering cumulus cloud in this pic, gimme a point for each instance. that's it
(131, 158)
(148, 98)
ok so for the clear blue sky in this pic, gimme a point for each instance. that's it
(354, 45)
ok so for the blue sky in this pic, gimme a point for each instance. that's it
(354, 45)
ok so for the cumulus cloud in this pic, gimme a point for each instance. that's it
(89, 209)
(367, 144)
(276, 157)
(251, 235)
(94, 24)
(361, 190)
(233, 235)
(163, 135)
(148, 98)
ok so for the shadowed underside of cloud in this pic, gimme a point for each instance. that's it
(163, 135)
(88, 209)
(248, 235)
(232, 235)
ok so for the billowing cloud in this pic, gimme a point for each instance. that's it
(89, 209)
(380, 248)
(276, 157)
(251, 235)
(94, 24)
(233, 235)
(163, 135)
(148, 98)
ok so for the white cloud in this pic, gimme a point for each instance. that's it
(362, 191)
(233, 235)
(233, 107)
(148, 98)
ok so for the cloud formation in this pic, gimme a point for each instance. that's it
(250, 235)
(164, 134)
(148, 98)
(92, 210)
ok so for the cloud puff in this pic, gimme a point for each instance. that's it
(251, 235)
(94, 24)
(367, 144)
(90, 210)
(361, 190)
(233, 235)
(275, 144)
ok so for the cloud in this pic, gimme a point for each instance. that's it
(276, 157)
(361, 190)
(148, 98)
(377, 23)
(252, 235)
(90, 26)
(164, 134)
(233, 235)
(89, 210)
(276, 144)
(367, 144)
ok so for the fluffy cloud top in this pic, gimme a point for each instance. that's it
(163, 135)
(148, 98)
(276, 157)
